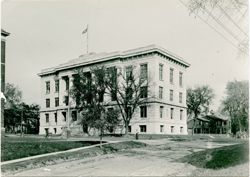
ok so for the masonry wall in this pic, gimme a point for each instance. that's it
(153, 121)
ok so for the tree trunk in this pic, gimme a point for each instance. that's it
(126, 128)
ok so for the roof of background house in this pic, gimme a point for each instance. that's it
(4, 33)
(92, 58)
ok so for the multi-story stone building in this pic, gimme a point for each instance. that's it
(166, 114)
(4, 34)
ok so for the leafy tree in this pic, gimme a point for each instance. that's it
(198, 101)
(13, 95)
(88, 92)
(235, 105)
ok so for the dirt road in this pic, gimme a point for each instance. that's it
(157, 159)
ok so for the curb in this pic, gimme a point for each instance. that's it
(54, 153)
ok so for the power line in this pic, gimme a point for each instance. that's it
(216, 30)
(232, 20)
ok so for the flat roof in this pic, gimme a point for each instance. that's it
(92, 58)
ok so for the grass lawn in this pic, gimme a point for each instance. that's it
(15, 148)
(69, 156)
(217, 158)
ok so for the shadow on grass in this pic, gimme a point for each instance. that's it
(217, 158)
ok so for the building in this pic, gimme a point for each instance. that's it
(4, 34)
(209, 124)
(166, 114)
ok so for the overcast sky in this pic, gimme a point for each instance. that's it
(47, 33)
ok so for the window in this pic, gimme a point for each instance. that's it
(55, 130)
(172, 113)
(129, 111)
(66, 100)
(160, 92)
(160, 72)
(181, 114)
(67, 83)
(144, 72)
(48, 87)
(161, 111)
(144, 92)
(55, 114)
(74, 115)
(129, 129)
(64, 116)
(47, 103)
(143, 128)
(56, 85)
(56, 101)
(180, 97)
(171, 75)
(129, 93)
(101, 97)
(129, 72)
(181, 129)
(180, 78)
(171, 97)
(47, 118)
(172, 129)
(143, 111)
(161, 128)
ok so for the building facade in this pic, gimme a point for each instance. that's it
(4, 34)
(165, 114)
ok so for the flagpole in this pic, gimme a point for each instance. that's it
(87, 38)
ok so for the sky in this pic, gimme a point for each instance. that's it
(47, 33)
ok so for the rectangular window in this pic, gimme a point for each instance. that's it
(180, 97)
(47, 87)
(67, 83)
(144, 92)
(143, 111)
(129, 93)
(161, 128)
(56, 101)
(161, 111)
(64, 116)
(143, 128)
(160, 92)
(172, 129)
(129, 129)
(47, 118)
(56, 85)
(144, 71)
(55, 114)
(112, 75)
(181, 114)
(47, 103)
(74, 115)
(181, 129)
(171, 96)
(172, 113)
(160, 72)
(66, 100)
(129, 72)
(171, 75)
(180, 78)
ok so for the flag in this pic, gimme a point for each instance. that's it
(85, 31)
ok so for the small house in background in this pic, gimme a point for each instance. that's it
(209, 124)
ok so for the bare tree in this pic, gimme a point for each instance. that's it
(129, 90)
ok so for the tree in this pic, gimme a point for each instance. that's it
(198, 101)
(88, 92)
(129, 90)
(13, 95)
(235, 105)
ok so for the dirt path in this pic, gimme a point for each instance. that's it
(157, 159)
